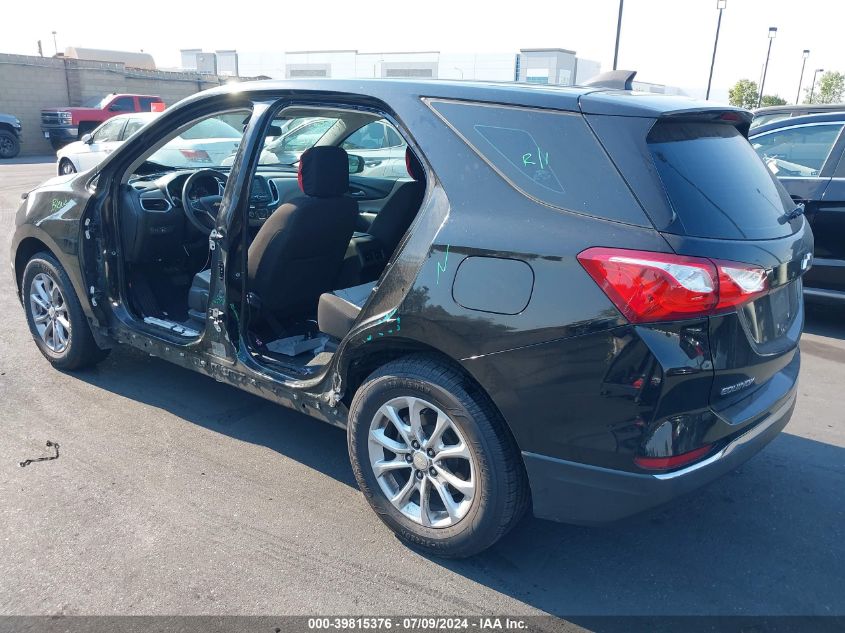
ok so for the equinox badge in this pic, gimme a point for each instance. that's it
(738, 386)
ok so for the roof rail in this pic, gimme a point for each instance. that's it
(613, 79)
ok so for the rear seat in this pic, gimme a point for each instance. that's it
(337, 311)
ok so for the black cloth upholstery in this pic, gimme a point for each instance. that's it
(394, 218)
(338, 310)
(324, 172)
(297, 254)
(198, 294)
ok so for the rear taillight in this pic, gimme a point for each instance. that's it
(675, 461)
(649, 287)
(196, 155)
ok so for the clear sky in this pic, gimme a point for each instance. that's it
(667, 41)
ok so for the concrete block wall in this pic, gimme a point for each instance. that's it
(28, 84)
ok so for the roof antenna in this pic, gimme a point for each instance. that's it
(613, 79)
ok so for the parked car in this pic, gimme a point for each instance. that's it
(67, 124)
(806, 154)
(575, 301)
(204, 144)
(378, 143)
(10, 135)
(770, 114)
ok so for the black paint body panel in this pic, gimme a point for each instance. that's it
(486, 277)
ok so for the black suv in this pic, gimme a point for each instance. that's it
(806, 154)
(10, 135)
(577, 301)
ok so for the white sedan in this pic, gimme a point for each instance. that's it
(205, 144)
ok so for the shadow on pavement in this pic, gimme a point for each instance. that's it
(825, 320)
(28, 160)
(766, 539)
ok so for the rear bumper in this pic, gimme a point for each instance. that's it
(571, 492)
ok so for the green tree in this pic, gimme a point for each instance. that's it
(744, 94)
(772, 100)
(830, 88)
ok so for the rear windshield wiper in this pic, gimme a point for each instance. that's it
(797, 211)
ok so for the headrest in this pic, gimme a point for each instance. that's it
(324, 172)
(413, 165)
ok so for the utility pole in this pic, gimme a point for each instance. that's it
(805, 55)
(55, 46)
(618, 31)
(720, 4)
(773, 31)
(813, 86)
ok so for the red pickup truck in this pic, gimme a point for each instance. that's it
(67, 124)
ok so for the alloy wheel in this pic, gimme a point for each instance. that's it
(49, 312)
(422, 462)
(68, 168)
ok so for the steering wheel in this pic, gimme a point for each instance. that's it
(201, 210)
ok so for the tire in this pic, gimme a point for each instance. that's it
(10, 144)
(55, 317)
(66, 167)
(491, 473)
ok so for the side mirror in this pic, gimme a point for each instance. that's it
(274, 131)
(356, 164)
(87, 139)
(114, 108)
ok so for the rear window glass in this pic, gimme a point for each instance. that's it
(717, 185)
(552, 157)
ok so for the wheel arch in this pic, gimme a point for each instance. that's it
(369, 357)
(28, 247)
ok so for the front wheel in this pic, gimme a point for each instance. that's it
(55, 317)
(10, 145)
(66, 167)
(434, 459)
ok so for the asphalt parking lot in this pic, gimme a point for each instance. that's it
(174, 494)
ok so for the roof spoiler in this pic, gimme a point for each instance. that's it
(613, 79)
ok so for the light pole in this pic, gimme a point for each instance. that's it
(773, 31)
(55, 46)
(720, 4)
(805, 55)
(618, 31)
(460, 70)
(813, 87)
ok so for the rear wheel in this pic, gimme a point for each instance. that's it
(434, 459)
(66, 167)
(55, 317)
(10, 145)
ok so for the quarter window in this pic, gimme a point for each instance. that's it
(799, 151)
(550, 156)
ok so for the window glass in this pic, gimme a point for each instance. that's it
(109, 131)
(122, 104)
(145, 103)
(297, 135)
(371, 136)
(206, 142)
(799, 151)
(210, 129)
(550, 156)
(716, 185)
(132, 126)
(393, 138)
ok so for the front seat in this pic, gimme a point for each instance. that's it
(297, 254)
(298, 251)
(394, 218)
